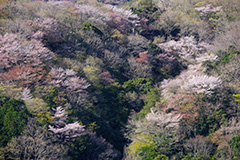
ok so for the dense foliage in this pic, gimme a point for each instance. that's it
(120, 79)
(13, 118)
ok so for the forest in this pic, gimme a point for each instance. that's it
(120, 80)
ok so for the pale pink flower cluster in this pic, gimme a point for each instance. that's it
(128, 14)
(163, 119)
(68, 79)
(47, 28)
(89, 12)
(186, 47)
(65, 131)
(190, 81)
(208, 9)
(15, 50)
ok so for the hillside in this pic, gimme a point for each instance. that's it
(120, 79)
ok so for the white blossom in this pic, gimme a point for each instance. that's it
(87, 12)
(208, 56)
(76, 84)
(164, 119)
(65, 131)
(201, 84)
(72, 128)
(190, 81)
(70, 72)
(208, 9)
(125, 13)
(58, 73)
(25, 95)
(60, 113)
(134, 19)
(186, 47)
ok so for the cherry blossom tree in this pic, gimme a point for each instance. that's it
(122, 19)
(208, 9)
(66, 132)
(26, 95)
(48, 29)
(164, 119)
(15, 50)
(191, 81)
(186, 47)
(68, 79)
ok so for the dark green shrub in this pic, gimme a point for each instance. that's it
(13, 118)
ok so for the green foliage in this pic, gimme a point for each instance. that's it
(151, 98)
(224, 57)
(10, 90)
(49, 98)
(92, 74)
(237, 96)
(161, 157)
(153, 49)
(44, 117)
(89, 26)
(93, 69)
(3, 100)
(42, 91)
(111, 113)
(146, 9)
(147, 153)
(235, 145)
(140, 85)
(13, 118)
(192, 157)
(36, 105)
(79, 147)
(207, 124)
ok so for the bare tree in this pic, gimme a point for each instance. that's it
(138, 70)
(35, 144)
(200, 146)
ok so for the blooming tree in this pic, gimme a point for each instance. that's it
(191, 81)
(68, 79)
(66, 132)
(88, 12)
(164, 119)
(15, 50)
(122, 19)
(47, 28)
(186, 47)
(205, 10)
(25, 95)
(201, 84)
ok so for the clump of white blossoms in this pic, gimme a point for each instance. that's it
(190, 81)
(186, 47)
(65, 131)
(25, 94)
(163, 119)
(205, 10)
(201, 83)
(128, 14)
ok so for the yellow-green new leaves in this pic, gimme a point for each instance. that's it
(237, 98)
(36, 105)
(10, 90)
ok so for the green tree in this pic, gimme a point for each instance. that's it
(13, 118)
(79, 148)
(235, 145)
